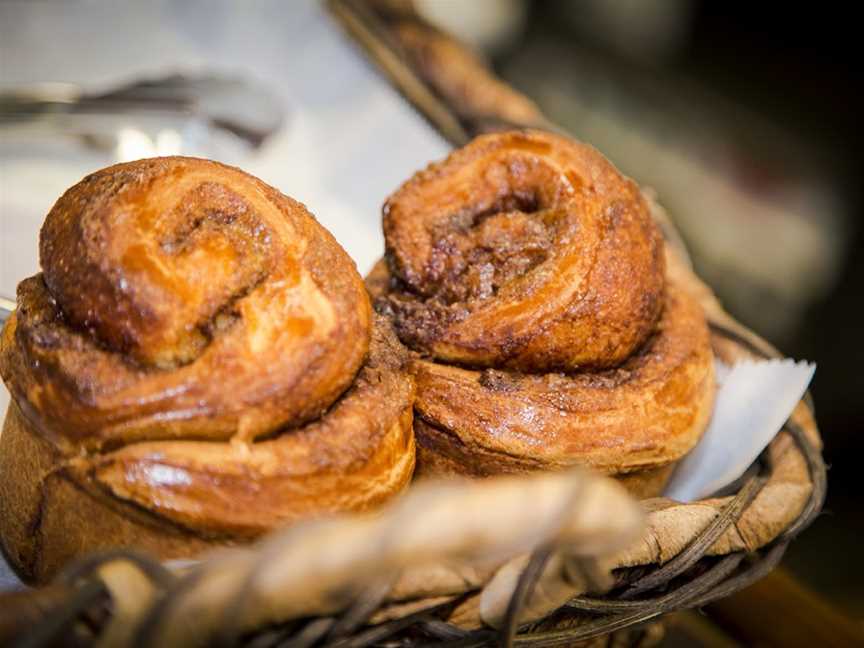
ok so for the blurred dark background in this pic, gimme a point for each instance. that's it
(745, 118)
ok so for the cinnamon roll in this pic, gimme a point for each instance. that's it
(196, 364)
(529, 277)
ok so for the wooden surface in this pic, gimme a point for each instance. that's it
(779, 611)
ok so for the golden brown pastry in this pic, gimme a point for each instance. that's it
(196, 364)
(530, 277)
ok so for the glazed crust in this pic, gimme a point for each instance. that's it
(529, 277)
(176, 499)
(648, 411)
(629, 421)
(523, 250)
(216, 373)
(183, 298)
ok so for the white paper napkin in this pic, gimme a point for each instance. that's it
(754, 399)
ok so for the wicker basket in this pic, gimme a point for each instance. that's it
(555, 575)
(406, 577)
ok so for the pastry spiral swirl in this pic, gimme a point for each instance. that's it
(199, 347)
(529, 275)
(526, 252)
